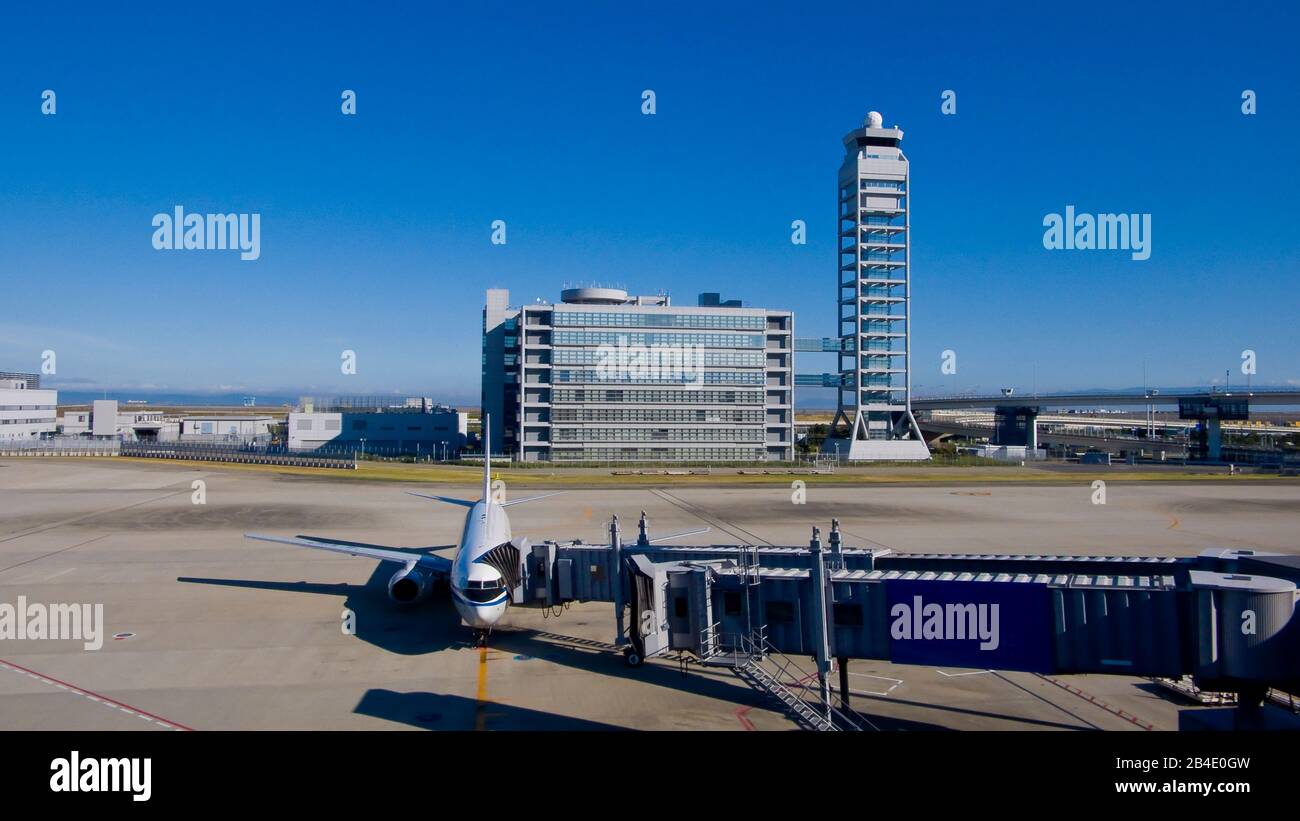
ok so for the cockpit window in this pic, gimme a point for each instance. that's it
(484, 591)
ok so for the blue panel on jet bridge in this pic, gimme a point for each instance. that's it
(984, 625)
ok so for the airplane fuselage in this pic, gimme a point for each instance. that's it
(477, 589)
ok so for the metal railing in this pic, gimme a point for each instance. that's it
(59, 446)
(234, 454)
(747, 655)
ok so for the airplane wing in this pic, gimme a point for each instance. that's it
(426, 561)
(449, 500)
(679, 535)
(530, 499)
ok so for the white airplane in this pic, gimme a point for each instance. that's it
(481, 575)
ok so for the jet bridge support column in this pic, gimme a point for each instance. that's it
(643, 533)
(616, 546)
(836, 563)
(821, 624)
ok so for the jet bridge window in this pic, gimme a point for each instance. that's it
(848, 615)
(779, 612)
(732, 604)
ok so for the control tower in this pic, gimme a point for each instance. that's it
(874, 417)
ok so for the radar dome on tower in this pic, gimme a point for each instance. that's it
(874, 120)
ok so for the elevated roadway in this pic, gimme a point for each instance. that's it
(1154, 397)
(1016, 417)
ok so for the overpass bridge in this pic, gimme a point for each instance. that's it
(1160, 448)
(1016, 416)
(1162, 439)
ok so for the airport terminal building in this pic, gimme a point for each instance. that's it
(602, 376)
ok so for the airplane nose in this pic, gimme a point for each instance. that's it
(481, 616)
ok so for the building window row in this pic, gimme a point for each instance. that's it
(640, 357)
(642, 454)
(688, 376)
(650, 397)
(634, 338)
(561, 434)
(647, 320)
(893, 185)
(702, 415)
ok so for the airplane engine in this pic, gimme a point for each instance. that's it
(408, 586)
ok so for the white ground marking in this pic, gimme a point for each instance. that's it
(887, 691)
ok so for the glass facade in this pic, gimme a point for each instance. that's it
(641, 381)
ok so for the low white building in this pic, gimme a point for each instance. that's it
(74, 422)
(105, 419)
(26, 410)
(1011, 453)
(414, 426)
(214, 428)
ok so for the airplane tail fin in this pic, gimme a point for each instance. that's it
(487, 458)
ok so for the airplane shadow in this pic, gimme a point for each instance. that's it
(408, 630)
(432, 711)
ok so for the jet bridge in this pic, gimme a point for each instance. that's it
(1226, 617)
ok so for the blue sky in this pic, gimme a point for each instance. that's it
(375, 228)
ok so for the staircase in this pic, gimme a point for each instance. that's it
(753, 674)
(745, 655)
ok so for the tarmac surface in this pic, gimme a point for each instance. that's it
(217, 632)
